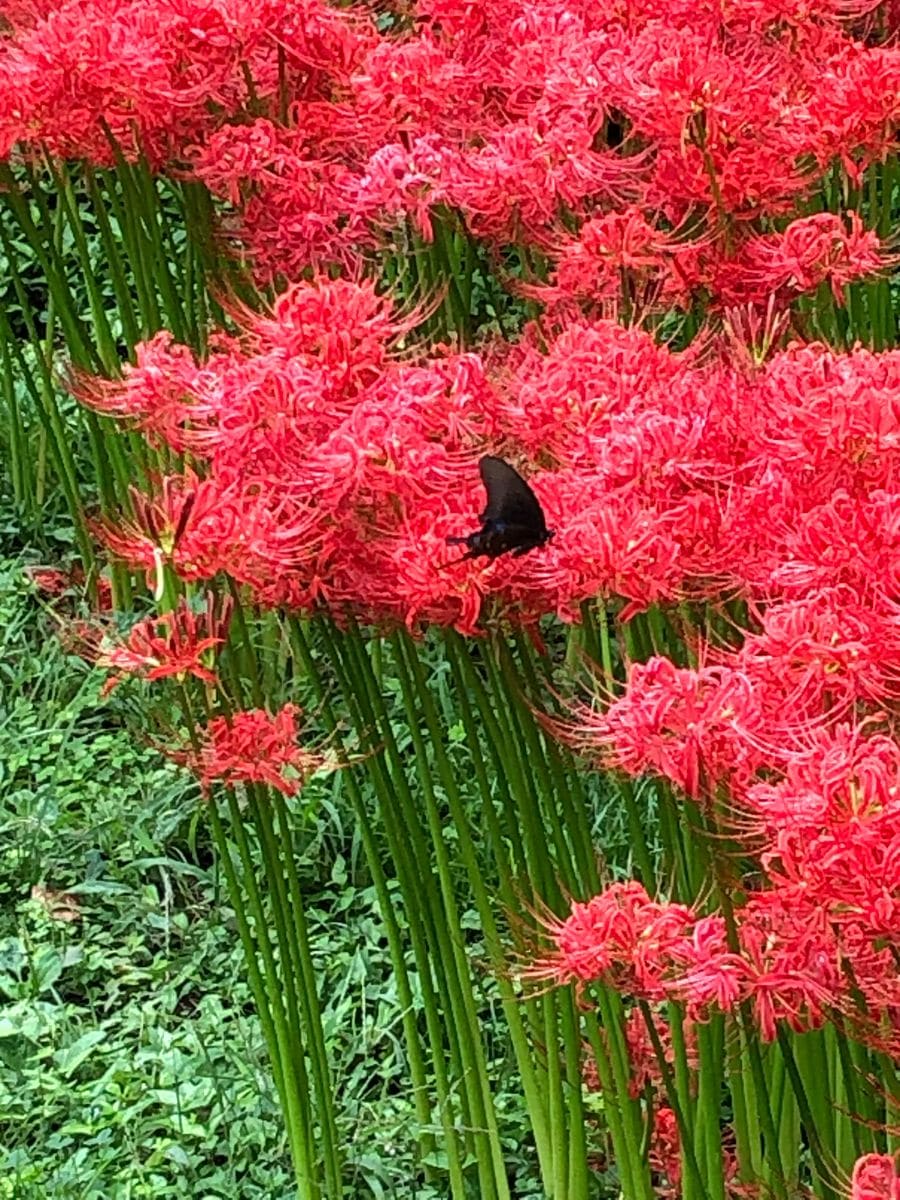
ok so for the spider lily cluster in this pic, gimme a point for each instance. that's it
(618, 164)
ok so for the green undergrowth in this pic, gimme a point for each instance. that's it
(131, 1061)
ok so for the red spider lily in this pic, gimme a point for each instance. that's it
(826, 651)
(643, 1060)
(407, 84)
(858, 81)
(323, 133)
(399, 182)
(642, 1054)
(171, 644)
(292, 192)
(876, 1177)
(695, 727)
(848, 539)
(161, 522)
(344, 328)
(151, 77)
(49, 580)
(665, 1157)
(664, 1152)
(564, 393)
(789, 968)
(811, 251)
(786, 964)
(711, 976)
(330, 460)
(151, 395)
(252, 746)
(621, 249)
(55, 583)
(516, 185)
(845, 774)
(621, 937)
(720, 107)
(200, 528)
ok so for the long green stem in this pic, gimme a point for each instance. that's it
(284, 1016)
(309, 996)
(411, 860)
(300, 645)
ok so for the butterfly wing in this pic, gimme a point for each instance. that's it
(512, 521)
(510, 501)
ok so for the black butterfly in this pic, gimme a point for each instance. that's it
(512, 520)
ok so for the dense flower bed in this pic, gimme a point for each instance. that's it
(637, 158)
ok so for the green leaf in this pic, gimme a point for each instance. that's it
(46, 969)
(69, 1058)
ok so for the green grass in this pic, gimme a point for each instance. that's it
(130, 1061)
